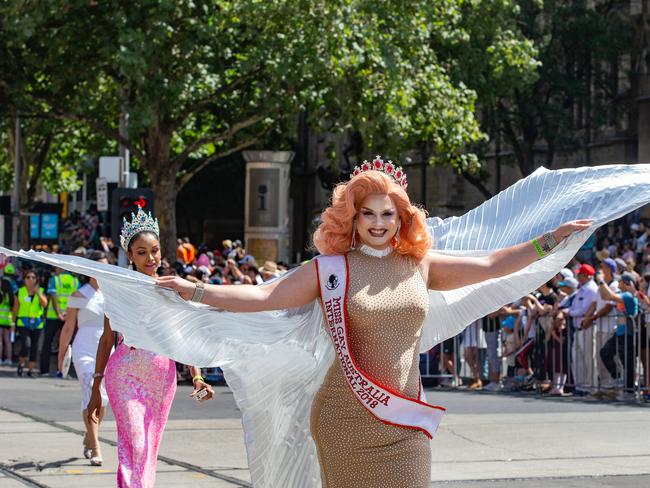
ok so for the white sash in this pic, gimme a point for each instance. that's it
(386, 405)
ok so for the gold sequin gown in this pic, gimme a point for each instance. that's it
(387, 303)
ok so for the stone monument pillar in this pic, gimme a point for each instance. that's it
(267, 220)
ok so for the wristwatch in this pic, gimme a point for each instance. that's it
(198, 292)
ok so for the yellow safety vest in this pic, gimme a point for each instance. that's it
(65, 285)
(30, 310)
(5, 311)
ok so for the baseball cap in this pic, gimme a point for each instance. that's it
(611, 264)
(508, 322)
(622, 265)
(250, 260)
(586, 269)
(628, 279)
(566, 273)
(570, 282)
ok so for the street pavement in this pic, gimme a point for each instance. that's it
(485, 441)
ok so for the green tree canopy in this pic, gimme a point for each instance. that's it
(202, 79)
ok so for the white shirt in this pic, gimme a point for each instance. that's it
(607, 323)
(585, 296)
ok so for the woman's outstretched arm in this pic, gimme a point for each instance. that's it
(446, 272)
(298, 288)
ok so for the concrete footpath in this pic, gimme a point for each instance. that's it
(486, 440)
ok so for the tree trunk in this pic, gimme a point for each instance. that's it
(162, 173)
(165, 192)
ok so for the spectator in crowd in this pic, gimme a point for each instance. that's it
(525, 332)
(491, 326)
(510, 344)
(248, 266)
(628, 252)
(182, 253)
(29, 321)
(473, 340)
(644, 337)
(622, 343)
(191, 250)
(449, 360)
(558, 354)
(602, 313)
(541, 307)
(630, 267)
(59, 289)
(8, 305)
(582, 351)
(269, 271)
(621, 265)
(566, 290)
(226, 248)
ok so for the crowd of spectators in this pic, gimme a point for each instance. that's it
(585, 332)
(582, 333)
(81, 235)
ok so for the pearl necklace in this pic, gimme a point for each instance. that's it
(371, 251)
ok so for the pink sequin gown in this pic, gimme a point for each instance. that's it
(140, 387)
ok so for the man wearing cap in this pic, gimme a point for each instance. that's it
(582, 351)
(603, 313)
(622, 342)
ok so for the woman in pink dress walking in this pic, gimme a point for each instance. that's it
(139, 383)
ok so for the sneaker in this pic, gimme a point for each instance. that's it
(7, 362)
(31, 374)
(559, 393)
(493, 387)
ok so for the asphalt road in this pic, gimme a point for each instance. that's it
(486, 440)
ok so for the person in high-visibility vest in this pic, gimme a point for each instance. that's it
(60, 287)
(8, 301)
(29, 321)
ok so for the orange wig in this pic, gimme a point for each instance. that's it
(334, 234)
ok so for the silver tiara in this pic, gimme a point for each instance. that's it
(139, 223)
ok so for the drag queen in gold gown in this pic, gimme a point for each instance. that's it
(384, 236)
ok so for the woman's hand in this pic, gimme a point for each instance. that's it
(182, 286)
(568, 228)
(94, 405)
(200, 385)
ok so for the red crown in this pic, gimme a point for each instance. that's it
(378, 164)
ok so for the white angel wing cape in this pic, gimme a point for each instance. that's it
(275, 361)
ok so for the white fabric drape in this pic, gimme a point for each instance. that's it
(275, 361)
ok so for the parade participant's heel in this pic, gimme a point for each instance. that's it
(96, 457)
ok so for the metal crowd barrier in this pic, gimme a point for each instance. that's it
(582, 362)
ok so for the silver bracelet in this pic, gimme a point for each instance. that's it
(198, 292)
(98, 375)
(548, 242)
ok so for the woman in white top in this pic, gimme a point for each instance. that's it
(86, 311)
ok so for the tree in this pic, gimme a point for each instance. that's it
(50, 154)
(206, 78)
(576, 92)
